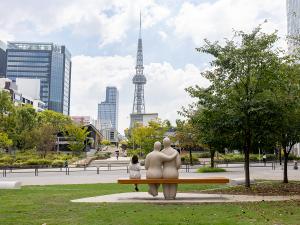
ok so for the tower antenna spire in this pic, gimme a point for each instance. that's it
(140, 33)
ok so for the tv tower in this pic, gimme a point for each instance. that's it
(139, 79)
(138, 114)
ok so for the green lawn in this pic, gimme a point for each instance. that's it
(51, 205)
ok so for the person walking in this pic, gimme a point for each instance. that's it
(134, 170)
(265, 158)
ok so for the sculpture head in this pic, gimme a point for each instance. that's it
(157, 146)
(167, 142)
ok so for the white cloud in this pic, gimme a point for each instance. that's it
(163, 35)
(110, 19)
(164, 91)
(4, 36)
(215, 20)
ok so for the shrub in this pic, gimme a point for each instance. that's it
(186, 158)
(40, 162)
(206, 169)
(58, 163)
(103, 155)
(204, 155)
(6, 159)
(132, 152)
(4, 164)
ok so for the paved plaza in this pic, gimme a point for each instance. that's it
(144, 197)
(81, 176)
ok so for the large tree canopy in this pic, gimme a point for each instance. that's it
(249, 82)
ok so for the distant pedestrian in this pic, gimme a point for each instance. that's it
(295, 165)
(134, 170)
(66, 164)
(117, 154)
(264, 158)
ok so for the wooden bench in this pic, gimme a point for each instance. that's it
(206, 180)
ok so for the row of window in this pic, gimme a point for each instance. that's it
(26, 53)
(28, 74)
(27, 58)
(33, 64)
(28, 69)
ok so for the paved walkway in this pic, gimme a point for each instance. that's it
(144, 197)
(81, 176)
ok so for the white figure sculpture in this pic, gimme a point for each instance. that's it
(153, 164)
(170, 169)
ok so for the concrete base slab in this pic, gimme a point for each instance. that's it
(10, 184)
(144, 197)
(240, 181)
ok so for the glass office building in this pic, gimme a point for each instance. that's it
(2, 59)
(293, 22)
(49, 63)
(108, 110)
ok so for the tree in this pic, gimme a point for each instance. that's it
(56, 119)
(6, 104)
(105, 142)
(287, 95)
(23, 121)
(6, 109)
(77, 137)
(5, 142)
(145, 136)
(241, 76)
(42, 138)
(187, 136)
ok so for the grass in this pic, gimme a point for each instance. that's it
(264, 188)
(51, 205)
(206, 169)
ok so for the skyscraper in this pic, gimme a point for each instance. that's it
(293, 30)
(2, 59)
(108, 110)
(48, 62)
(293, 22)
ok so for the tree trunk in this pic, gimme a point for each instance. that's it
(280, 157)
(212, 158)
(191, 157)
(247, 162)
(285, 167)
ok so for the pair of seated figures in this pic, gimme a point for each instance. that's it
(163, 164)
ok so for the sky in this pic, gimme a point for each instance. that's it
(102, 38)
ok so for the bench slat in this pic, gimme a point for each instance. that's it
(208, 180)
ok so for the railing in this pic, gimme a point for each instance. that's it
(113, 166)
(97, 169)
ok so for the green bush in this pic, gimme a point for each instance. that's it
(58, 163)
(137, 152)
(40, 162)
(2, 164)
(206, 169)
(204, 155)
(6, 159)
(103, 155)
(186, 158)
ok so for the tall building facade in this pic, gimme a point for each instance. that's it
(293, 22)
(108, 115)
(293, 30)
(50, 64)
(108, 110)
(2, 59)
